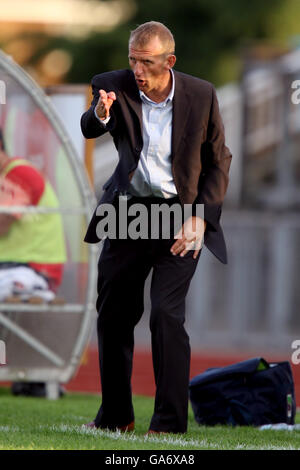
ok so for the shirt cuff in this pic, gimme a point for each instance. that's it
(102, 121)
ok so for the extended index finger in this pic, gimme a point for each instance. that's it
(103, 95)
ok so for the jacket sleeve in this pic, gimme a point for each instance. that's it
(90, 126)
(216, 160)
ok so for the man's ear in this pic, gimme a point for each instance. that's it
(171, 60)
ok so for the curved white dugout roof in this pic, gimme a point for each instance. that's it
(46, 342)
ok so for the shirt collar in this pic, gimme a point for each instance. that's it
(169, 98)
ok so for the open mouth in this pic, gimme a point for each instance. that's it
(140, 82)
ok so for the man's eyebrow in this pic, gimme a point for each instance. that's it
(147, 58)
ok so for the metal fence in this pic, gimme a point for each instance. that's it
(253, 302)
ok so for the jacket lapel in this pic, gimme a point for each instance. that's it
(132, 97)
(181, 111)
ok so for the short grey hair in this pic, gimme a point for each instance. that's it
(146, 31)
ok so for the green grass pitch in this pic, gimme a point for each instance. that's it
(36, 423)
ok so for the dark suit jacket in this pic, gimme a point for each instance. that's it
(200, 159)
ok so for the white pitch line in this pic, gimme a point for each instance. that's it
(176, 441)
(124, 436)
(9, 429)
(132, 437)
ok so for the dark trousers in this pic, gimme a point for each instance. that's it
(124, 266)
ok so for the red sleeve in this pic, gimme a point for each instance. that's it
(30, 180)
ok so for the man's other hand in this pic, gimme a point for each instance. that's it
(189, 237)
(104, 103)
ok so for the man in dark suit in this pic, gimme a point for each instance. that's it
(169, 135)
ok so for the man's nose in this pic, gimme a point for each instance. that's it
(138, 69)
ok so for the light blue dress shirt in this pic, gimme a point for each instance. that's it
(153, 175)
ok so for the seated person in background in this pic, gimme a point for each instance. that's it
(32, 248)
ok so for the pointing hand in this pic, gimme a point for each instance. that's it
(104, 103)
